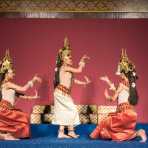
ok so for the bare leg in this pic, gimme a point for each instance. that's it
(61, 133)
(141, 133)
(71, 132)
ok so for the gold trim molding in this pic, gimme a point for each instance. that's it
(32, 6)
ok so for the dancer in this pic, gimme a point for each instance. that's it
(65, 111)
(120, 126)
(14, 124)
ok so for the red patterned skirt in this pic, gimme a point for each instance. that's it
(118, 126)
(13, 121)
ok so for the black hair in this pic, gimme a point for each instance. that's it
(2, 77)
(133, 94)
(59, 63)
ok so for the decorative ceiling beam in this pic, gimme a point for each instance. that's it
(74, 8)
(73, 5)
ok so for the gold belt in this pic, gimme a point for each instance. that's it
(5, 104)
(63, 89)
(123, 106)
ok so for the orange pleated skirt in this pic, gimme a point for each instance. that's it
(118, 126)
(13, 121)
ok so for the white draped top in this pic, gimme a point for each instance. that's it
(8, 95)
(123, 96)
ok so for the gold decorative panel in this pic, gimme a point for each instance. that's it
(73, 6)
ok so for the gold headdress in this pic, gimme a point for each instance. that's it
(6, 62)
(125, 65)
(66, 50)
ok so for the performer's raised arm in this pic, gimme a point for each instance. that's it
(35, 96)
(79, 68)
(29, 84)
(85, 82)
(115, 95)
(108, 81)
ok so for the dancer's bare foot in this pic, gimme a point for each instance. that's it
(142, 135)
(72, 134)
(91, 136)
(62, 135)
(8, 136)
(2, 136)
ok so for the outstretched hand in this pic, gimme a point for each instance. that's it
(36, 78)
(87, 80)
(36, 96)
(104, 78)
(107, 96)
(84, 58)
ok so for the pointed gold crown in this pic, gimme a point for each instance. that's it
(125, 65)
(6, 62)
(66, 49)
(66, 43)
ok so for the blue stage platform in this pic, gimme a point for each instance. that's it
(44, 136)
